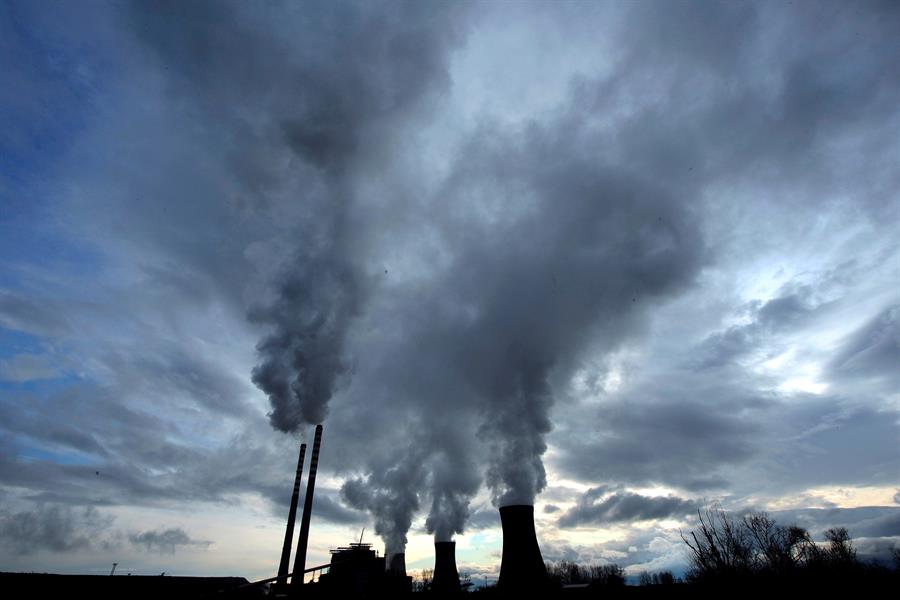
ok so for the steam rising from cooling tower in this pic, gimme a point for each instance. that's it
(453, 478)
(461, 321)
(391, 493)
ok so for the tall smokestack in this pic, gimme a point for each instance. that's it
(397, 564)
(446, 578)
(300, 559)
(522, 566)
(292, 515)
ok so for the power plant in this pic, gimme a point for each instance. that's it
(355, 570)
(358, 570)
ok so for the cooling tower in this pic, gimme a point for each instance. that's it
(446, 578)
(522, 566)
(397, 564)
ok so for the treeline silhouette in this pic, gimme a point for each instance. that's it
(755, 550)
(728, 554)
(569, 573)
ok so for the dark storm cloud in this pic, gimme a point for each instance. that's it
(168, 368)
(869, 523)
(328, 506)
(792, 309)
(873, 352)
(165, 540)
(77, 461)
(541, 266)
(702, 443)
(875, 530)
(484, 518)
(52, 527)
(681, 433)
(831, 442)
(601, 505)
(432, 280)
(536, 287)
(29, 314)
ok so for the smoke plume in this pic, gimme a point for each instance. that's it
(392, 496)
(456, 293)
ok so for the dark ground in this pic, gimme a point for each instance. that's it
(102, 587)
(120, 587)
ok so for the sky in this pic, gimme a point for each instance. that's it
(621, 261)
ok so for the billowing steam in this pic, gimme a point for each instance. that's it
(303, 359)
(460, 292)
(392, 496)
(335, 113)
(454, 479)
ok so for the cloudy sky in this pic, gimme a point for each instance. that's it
(618, 260)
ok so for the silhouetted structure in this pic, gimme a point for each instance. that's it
(357, 571)
(446, 578)
(397, 564)
(285, 564)
(138, 587)
(521, 567)
(303, 542)
(396, 581)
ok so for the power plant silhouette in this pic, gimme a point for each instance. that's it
(355, 570)
(358, 570)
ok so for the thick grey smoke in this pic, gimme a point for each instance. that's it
(311, 96)
(454, 479)
(316, 99)
(532, 245)
(604, 505)
(439, 238)
(572, 265)
(529, 247)
(391, 494)
(341, 113)
(302, 360)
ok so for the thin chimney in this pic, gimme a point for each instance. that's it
(300, 559)
(292, 515)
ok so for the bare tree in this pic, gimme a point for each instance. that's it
(566, 572)
(720, 546)
(422, 581)
(723, 547)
